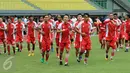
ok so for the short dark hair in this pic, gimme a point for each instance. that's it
(79, 14)
(66, 15)
(30, 16)
(45, 15)
(19, 17)
(49, 14)
(86, 14)
(115, 14)
(128, 15)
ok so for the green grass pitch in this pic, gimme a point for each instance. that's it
(21, 63)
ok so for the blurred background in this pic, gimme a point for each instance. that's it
(72, 7)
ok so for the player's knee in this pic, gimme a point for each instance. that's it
(82, 51)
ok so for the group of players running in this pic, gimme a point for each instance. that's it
(112, 33)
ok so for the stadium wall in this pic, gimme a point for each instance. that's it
(42, 12)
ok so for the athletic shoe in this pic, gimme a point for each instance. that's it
(61, 63)
(126, 50)
(32, 54)
(29, 54)
(42, 60)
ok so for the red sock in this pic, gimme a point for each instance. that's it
(66, 58)
(112, 54)
(85, 59)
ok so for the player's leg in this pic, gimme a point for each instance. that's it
(28, 45)
(47, 56)
(127, 45)
(100, 40)
(117, 45)
(86, 56)
(33, 46)
(52, 49)
(57, 47)
(120, 40)
(67, 53)
(104, 43)
(52, 37)
(42, 53)
(29, 51)
(43, 50)
(40, 46)
(21, 46)
(48, 44)
(83, 47)
(17, 46)
(122, 43)
(107, 49)
(77, 46)
(4, 45)
(8, 48)
(13, 46)
(61, 52)
(114, 47)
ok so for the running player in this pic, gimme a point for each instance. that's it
(59, 21)
(10, 36)
(39, 35)
(111, 37)
(2, 33)
(84, 29)
(52, 34)
(31, 26)
(20, 27)
(46, 28)
(102, 32)
(77, 42)
(118, 29)
(127, 32)
(122, 35)
(64, 29)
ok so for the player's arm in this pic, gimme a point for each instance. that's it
(106, 21)
(93, 29)
(14, 29)
(4, 28)
(41, 32)
(60, 28)
(77, 29)
(115, 22)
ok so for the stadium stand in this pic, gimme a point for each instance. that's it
(63, 4)
(124, 4)
(14, 5)
(100, 3)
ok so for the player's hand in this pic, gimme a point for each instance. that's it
(63, 30)
(41, 32)
(2, 29)
(83, 34)
(73, 31)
